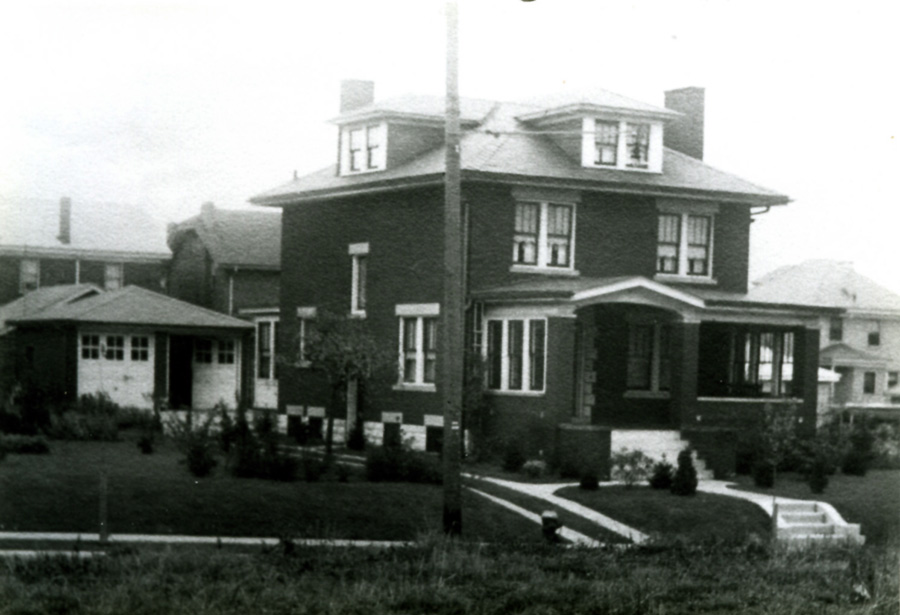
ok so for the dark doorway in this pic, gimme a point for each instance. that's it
(181, 353)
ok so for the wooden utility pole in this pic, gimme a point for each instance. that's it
(452, 333)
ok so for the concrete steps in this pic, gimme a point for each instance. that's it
(800, 523)
(658, 444)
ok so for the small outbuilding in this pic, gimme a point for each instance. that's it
(133, 344)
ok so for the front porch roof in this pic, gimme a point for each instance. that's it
(580, 291)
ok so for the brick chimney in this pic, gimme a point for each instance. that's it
(65, 220)
(356, 93)
(685, 134)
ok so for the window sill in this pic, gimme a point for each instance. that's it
(356, 314)
(515, 393)
(562, 271)
(646, 395)
(685, 279)
(616, 167)
(348, 172)
(754, 400)
(415, 388)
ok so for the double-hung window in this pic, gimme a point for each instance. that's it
(648, 357)
(874, 335)
(638, 144)
(516, 354)
(684, 241)
(836, 329)
(762, 363)
(418, 344)
(623, 144)
(544, 235)
(606, 140)
(363, 148)
(359, 268)
(305, 318)
(266, 344)
(112, 276)
(29, 274)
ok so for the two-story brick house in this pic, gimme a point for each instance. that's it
(43, 243)
(229, 260)
(605, 272)
(862, 342)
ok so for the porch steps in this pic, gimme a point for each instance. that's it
(801, 523)
(657, 444)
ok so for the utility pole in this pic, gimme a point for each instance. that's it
(452, 333)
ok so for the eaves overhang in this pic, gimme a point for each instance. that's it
(468, 175)
(397, 117)
(23, 250)
(582, 109)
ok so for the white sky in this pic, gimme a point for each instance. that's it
(165, 105)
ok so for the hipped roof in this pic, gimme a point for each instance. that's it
(133, 305)
(235, 237)
(504, 148)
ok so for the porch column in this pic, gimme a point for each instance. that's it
(806, 378)
(561, 369)
(684, 361)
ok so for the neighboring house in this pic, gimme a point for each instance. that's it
(133, 344)
(605, 274)
(230, 261)
(43, 243)
(862, 341)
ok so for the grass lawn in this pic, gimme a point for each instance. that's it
(537, 506)
(702, 517)
(872, 500)
(156, 494)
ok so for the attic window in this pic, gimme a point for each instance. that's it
(29, 275)
(363, 148)
(622, 144)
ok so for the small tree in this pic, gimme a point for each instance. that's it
(343, 350)
(774, 439)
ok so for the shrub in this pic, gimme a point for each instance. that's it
(589, 480)
(24, 445)
(857, 460)
(534, 468)
(134, 418)
(343, 473)
(630, 467)
(282, 466)
(228, 432)
(763, 475)
(570, 468)
(145, 443)
(513, 455)
(662, 475)
(396, 464)
(887, 447)
(685, 480)
(200, 459)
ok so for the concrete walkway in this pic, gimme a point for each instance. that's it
(546, 493)
(764, 501)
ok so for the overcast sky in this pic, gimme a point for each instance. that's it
(165, 105)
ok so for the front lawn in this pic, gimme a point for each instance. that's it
(156, 494)
(702, 517)
(872, 500)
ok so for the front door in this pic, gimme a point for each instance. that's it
(181, 375)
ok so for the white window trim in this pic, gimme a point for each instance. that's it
(504, 355)
(654, 149)
(543, 252)
(273, 321)
(356, 250)
(419, 311)
(684, 211)
(304, 316)
(381, 164)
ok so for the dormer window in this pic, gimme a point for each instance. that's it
(622, 144)
(363, 148)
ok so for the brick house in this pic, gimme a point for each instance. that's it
(230, 261)
(43, 243)
(861, 342)
(606, 274)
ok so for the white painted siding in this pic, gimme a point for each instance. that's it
(216, 382)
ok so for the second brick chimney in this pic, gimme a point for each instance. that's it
(65, 220)
(685, 134)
